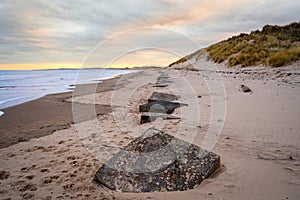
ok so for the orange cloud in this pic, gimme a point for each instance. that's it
(193, 11)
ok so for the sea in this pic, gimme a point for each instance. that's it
(19, 86)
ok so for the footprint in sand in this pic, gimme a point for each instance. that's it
(44, 170)
(47, 149)
(24, 169)
(29, 177)
(230, 186)
(47, 180)
(48, 198)
(72, 158)
(74, 162)
(4, 174)
(62, 151)
(10, 155)
(68, 186)
(61, 142)
(39, 148)
(72, 175)
(23, 186)
(273, 156)
(70, 145)
(27, 196)
(2, 191)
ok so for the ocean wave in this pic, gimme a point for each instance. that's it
(15, 98)
(17, 77)
(7, 86)
(21, 86)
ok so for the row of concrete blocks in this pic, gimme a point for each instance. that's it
(160, 105)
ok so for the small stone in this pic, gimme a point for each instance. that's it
(245, 88)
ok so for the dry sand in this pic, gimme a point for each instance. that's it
(259, 140)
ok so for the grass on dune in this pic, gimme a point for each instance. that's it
(196, 54)
(274, 46)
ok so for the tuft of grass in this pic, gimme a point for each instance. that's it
(282, 58)
(196, 54)
(181, 60)
(274, 46)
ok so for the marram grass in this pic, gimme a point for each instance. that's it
(273, 46)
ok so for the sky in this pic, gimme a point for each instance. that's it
(40, 34)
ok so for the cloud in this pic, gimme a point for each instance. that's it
(65, 31)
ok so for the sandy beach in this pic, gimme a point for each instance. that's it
(47, 154)
(140, 100)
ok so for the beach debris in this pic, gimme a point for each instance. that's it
(160, 107)
(245, 88)
(149, 117)
(158, 96)
(157, 161)
(162, 80)
(161, 85)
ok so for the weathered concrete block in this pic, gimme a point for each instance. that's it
(158, 96)
(149, 117)
(157, 161)
(160, 107)
(161, 85)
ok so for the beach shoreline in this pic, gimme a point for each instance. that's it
(45, 115)
(258, 145)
